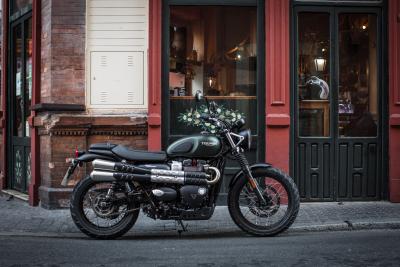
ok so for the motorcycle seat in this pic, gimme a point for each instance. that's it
(102, 146)
(139, 155)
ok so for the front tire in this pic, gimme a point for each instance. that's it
(81, 220)
(271, 219)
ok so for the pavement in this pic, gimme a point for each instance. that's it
(17, 218)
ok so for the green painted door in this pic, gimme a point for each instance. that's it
(19, 103)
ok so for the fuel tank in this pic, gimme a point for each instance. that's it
(196, 146)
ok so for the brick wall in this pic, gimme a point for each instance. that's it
(63, 52)
(63, 82)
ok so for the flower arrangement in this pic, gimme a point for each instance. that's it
(192, 117)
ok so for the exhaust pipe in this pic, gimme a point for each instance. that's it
(105, 165)
(104, 176)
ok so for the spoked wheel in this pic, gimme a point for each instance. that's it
(100, 213)
(273, 217)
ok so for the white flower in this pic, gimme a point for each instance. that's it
(212, 131)
(189, 119)
(227, 112)
(212, 127)
(196, 122)
(205, 110)
(239, 116)
(233, 114)
(219, 110)
(207, 124)
(233, 119)
(197, 115)
(184, 117)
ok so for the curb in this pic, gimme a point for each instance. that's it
(224, 232)
(347, 226)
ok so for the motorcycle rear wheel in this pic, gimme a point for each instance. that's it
(78, 208)
(277, 216)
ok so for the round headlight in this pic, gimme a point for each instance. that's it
(246, 144)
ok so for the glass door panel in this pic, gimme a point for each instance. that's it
(18, 81)
(313, 72)
(358, 72)
(28, 74)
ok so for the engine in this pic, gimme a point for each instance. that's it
(183, 201)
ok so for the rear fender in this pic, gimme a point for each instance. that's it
(257, 170)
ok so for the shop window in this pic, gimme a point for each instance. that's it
(212, 49)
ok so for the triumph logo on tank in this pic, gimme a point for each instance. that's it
(206, 143)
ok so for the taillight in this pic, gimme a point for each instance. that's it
(76, 153)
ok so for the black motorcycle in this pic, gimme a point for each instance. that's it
(181, 184)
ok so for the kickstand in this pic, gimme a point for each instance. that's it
(184, 228)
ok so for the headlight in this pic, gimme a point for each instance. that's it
(246, 143)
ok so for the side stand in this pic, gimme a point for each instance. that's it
(184, 228)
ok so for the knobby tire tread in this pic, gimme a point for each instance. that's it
(78, 217)
(235, 213)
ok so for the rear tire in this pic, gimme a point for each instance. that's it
(293, 204)
(88, 228)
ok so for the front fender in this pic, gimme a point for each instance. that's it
(256, 171)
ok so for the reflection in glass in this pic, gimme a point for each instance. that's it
(212, 49)
(20, 6)
(358, 85)
(313, 73)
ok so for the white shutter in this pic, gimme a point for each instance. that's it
(116, 44)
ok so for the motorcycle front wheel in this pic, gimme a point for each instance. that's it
(279, 212)
(99, 216)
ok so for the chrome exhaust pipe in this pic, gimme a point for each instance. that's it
(104, 176)
(105, 165)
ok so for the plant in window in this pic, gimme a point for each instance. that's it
(191, 117)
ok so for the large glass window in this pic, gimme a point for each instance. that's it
(212, 49)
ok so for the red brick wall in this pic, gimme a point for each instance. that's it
(63, 82)
(63, 52)
(61, 134)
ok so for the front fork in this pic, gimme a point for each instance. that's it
(244, 164)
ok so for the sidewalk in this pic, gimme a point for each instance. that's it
(18, 218)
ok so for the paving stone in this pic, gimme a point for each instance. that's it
(18, 217)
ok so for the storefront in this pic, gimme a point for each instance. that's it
(317, 81)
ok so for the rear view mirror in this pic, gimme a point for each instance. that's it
(199, 96)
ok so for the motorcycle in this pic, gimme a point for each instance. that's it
(181, 184)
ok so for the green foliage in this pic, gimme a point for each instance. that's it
(192, 117)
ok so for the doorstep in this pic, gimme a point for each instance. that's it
(16, 194)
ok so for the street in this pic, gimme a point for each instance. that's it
(347, 248)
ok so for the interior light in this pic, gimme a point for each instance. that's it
(320, 64)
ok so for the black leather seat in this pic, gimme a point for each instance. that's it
(139, 155)
(102, 146)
